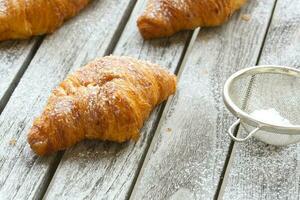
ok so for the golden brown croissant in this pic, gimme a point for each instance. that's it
(108, 99)
(166, 17)
(24, 18)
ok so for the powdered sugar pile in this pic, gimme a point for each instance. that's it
(270, 116)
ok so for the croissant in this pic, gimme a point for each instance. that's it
(108, 99)
(21, 19)
(166, 17)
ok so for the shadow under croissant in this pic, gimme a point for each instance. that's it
(96, 149)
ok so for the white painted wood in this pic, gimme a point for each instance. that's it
(23, 174)
(98, 170)
(188, 151)
(14, 58)
(260, 171)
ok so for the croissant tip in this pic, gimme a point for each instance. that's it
(150, 28)
(143, 29)
(37, 143)
(39, 148)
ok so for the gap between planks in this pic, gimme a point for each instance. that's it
(17, 77)
(232, 148)
(120, 29)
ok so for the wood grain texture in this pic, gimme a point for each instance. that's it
(101, 170)
(188, 151)
(23, 174)
(257, 170)
(14, 59)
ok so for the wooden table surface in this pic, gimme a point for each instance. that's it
(184, 151)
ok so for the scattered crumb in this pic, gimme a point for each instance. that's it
(246, 17)
(204, 71)
(205, 38)
(13, 142)
(81, 155)
(169, 129)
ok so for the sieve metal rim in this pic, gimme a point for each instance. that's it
(246, 118)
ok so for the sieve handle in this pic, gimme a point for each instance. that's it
(233, 127)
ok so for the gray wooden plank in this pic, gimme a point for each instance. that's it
(14, 59)
(23, 174)
(257, 170)
(100, 170)
(187, 153)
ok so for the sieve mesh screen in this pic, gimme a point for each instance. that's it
(264, 91)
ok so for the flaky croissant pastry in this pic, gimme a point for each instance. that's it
(166, 17)
(108, 99)
(24, 18)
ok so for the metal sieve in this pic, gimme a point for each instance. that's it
(266, 101)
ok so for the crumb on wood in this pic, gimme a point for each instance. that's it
(204, 71)
(81, 155)
(205, 38)
(12, 142)
(246, 17)
(169, 129)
